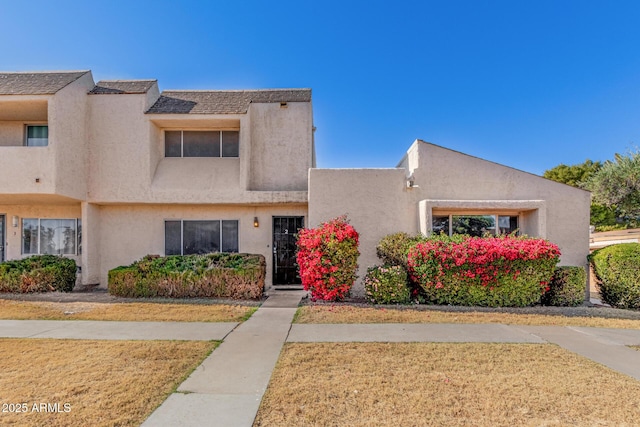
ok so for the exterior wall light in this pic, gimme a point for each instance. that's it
(14, 220)
(255, 222)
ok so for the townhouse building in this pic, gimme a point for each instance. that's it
(109, 172)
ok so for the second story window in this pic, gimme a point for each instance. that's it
(191, 143)
(37, 135)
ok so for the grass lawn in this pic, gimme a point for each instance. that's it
(351, 314)
(21, 310)
(104, 383)
(398, 384)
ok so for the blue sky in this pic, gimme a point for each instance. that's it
(527, 84)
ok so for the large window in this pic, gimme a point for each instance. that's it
(200, 237)
(474, 225)
(36, 136)
(50, 236)
(191, 143)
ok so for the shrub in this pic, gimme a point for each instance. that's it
(617, 270)
(328, 259)
(502, 271)
(39, 273)
(394, 248)
(386, 285)
(567, 287)
(214, 275)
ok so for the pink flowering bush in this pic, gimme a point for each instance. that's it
(386, 285)
(504, 271)
(328, 259)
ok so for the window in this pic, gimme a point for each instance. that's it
(37, 136)
(50, 236)
(200, 237)
(474, 225)
(187, 143)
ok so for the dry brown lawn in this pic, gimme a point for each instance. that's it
(422, 384)
(21, 310)
(351, 314)
(104, 383)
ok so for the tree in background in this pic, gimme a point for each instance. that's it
(617, 184)
(603, 216)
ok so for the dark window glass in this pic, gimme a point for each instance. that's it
(229, 236)
(507, 224)
(474, 225)
(201, 237)
(29, 236)
(440, 224)
(37, 136)
(173, 143)
(230, 144)
(201, 144)
(172, 239)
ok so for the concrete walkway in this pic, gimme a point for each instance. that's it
(226, 389)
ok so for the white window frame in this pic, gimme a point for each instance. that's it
(182, 221)
(77, 237)
(182, 131)
(475, 213)
(26, 133)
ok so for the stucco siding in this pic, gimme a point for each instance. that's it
(129, 232)
(376, 202)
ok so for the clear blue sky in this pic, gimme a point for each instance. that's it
(530, 84)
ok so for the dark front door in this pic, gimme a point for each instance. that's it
(2, 237)
(285, 269)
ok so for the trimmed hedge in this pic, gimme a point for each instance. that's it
(617, 269)
(394, 248)
(386, 285)
(504, 271)
(214, 275)
(567, 287)
(39, 273)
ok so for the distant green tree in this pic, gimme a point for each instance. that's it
(617, 184)
(602, 216)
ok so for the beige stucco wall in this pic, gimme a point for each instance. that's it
(376, 202)
(445, 174)
(12, 133)
(379, 202)
(281, 146)
(129, 232)
(13, 241)
(68, 136)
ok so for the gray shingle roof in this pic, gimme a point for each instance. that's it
(111, 87)
(223, 102)
(37, 83)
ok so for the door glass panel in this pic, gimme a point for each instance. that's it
(37, 136)
(507, 224)
(2, 222)
(29, 236)
(58, 236)
(440, 224)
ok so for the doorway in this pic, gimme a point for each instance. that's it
(285, 268)
(2, 237)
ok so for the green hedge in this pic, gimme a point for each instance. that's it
(504, 271)
(40, 273)
(617, 270)
(567, 287)
(386, 285)
(393, 248)
(215, 275)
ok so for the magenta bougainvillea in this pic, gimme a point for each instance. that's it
(492, 271)
(328, 259)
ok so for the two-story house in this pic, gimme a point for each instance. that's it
(109, 172)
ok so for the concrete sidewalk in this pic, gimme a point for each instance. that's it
(227, 388)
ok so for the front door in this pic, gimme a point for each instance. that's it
(285, 268)
(2, 237)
